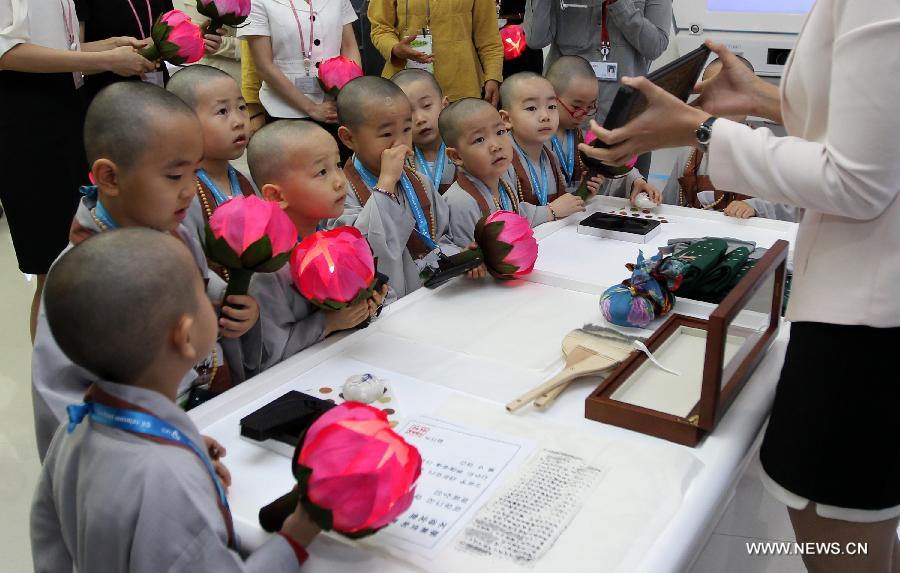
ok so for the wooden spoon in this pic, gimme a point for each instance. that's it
(585, 354)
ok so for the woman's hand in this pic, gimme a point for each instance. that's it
(325, 112)
(735, 90)
(492, 92)
(125, 61)
(403, 50)
(667, 122)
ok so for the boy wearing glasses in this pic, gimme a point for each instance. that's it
(572, 78)
(530, 109)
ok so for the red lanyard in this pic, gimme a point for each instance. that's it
(604, 32)
(307, 55)
(138, 19)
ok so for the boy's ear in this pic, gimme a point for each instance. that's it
(271, 192)
(346, 137)
(182, 339)
(453, 154)
(504, 115)
(445, 101)
(106, 176)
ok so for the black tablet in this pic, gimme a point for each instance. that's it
(678, 78)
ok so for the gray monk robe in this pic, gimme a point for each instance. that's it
(56, 382)
(110, 501)
(469, 199)
(390, 227)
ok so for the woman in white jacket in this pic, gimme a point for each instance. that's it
(830, 452)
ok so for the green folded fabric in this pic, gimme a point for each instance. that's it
(699, 259)
(718, 282)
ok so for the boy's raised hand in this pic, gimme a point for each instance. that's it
(595, 183)
(392, 162)
(347, 317)
(239, 314)
(299, 527)
(566, 204)
(740, 209)
(642, 186)
(478, 272)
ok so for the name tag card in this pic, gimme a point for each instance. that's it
(423, 43)
(309, 85)
(606, 71)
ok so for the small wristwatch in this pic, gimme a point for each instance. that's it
(704, 133)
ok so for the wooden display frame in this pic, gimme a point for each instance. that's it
(717, 392)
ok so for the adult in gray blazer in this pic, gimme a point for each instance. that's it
(830, 451)
(638, 34)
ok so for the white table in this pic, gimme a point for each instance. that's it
(485, 343)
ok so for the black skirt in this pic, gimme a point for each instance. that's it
(834, 434)
(42, 163)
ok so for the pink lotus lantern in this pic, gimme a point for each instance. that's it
(355, 475)
(507, 244)
(334, 73)
(223, 12)
(513, 39)
(248, 235)
(176, 39)
(334, 269)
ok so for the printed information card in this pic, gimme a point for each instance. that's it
(460, 470)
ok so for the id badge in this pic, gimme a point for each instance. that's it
(155, 78)
(78, 78)
(422, 43)
(309, 85)
(606, 71)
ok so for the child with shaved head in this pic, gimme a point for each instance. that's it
(216, 99)
(575, 84)
(400, 212)
(530, 108)
(128, 484)
(427, 101)
(296, 164)
(478, 142)
(144, 145)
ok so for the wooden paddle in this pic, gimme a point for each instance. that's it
(585, 354)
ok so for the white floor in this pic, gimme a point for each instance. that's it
(752, 515)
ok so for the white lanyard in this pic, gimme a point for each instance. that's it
(307, 55)
(138, 19)
(68, 23)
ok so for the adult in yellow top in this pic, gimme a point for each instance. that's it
(467, 52)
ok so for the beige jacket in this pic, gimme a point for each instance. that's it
(840, 102)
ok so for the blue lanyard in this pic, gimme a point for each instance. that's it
(143, 424)
(100, 212)
(505, 202)
(411, 197)
(439, 166)
(540, 191)
(220, 197)
(568, 161)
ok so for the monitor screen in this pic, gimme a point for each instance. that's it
(776, 6)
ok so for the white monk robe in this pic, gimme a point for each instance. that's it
(109, 501)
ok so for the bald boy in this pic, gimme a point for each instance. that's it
(128, 484)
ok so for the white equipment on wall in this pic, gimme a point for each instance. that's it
(762, 31)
